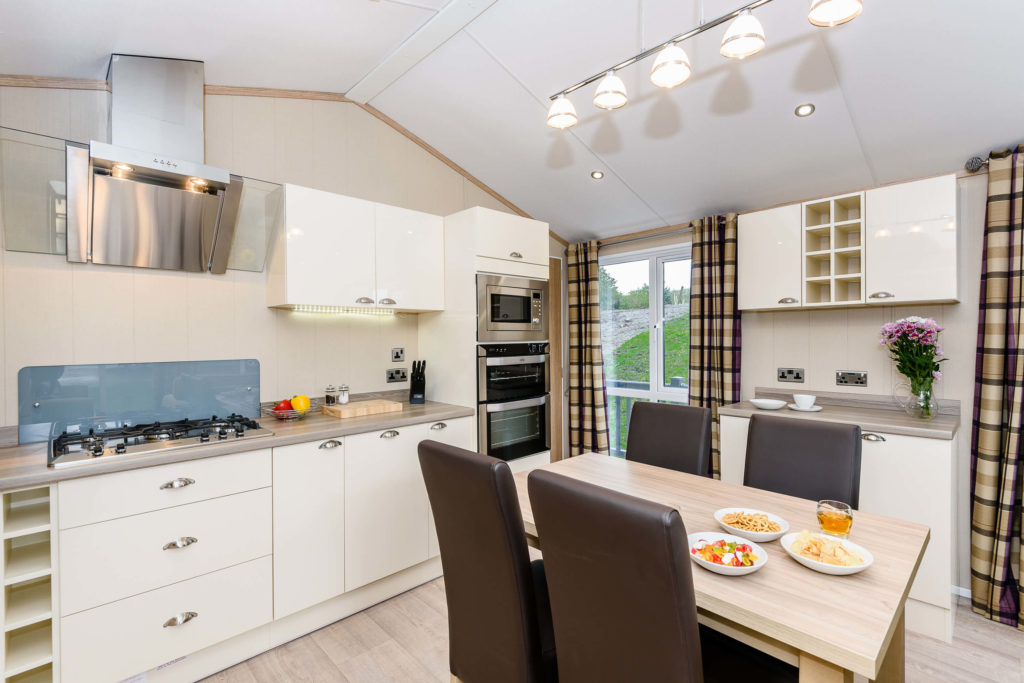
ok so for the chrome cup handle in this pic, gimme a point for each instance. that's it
(183, 542)
(179, 483)
(179, 619)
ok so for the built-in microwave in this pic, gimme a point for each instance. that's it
(511, 309)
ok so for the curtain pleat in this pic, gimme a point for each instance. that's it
(588, 418)
(714, 321)
(999, 400)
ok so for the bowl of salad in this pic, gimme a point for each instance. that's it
(726, 554)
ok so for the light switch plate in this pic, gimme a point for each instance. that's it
(397, 375)
(791, 375)
(847, 378)
(397, 355)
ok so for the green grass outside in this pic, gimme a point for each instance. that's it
(631, 362)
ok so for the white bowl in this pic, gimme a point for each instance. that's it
(711, 537)
(767, 403)
(753, 535)
(833, 569)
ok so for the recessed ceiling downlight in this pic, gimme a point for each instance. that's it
(804, 110)
(597, 175)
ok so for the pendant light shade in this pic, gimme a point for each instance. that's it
(744, 37)
(611, 92)
(562, 114)
(671, 67)
(834, 12)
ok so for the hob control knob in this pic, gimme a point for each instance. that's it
(204, 437)
(96, 451)
(120, 448)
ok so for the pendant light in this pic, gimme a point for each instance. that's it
(834, 12)
(562, 114)
(671, 67)
(611, 92)
(744, 37)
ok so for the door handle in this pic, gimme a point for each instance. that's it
(881, 295)
(330, 443)
(525, 403)
(390, 434)
(516, 254)
(787, 300)
(364, 300)
(179, 619)
(183, 542)
(868, 436)
(438, 426)
(179, 483)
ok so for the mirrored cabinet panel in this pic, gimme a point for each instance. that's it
(33, 202)
(257, 216)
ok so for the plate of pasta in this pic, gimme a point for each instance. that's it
(751, 524)
(827, 554)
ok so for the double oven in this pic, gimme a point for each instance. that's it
(513, 374)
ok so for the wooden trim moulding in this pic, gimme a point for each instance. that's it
(643, 234)
(238, 91)
(14, 81)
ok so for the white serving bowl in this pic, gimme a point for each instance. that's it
(767, 403)
(711, 537)
(833, 569)
(753, 535)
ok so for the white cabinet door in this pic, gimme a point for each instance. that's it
(768, 268)
(509, 237)
(329, 244)
(410, 259)
(911, 242)
(309, 524)
(459, 432)
(385, 505)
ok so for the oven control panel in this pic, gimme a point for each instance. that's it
(500, 350)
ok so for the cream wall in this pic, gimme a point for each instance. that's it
(53, 312)
(825, 341)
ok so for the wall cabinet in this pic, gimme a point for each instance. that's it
(501, 242)
(768, 258)
(894, 244)
(309, 524)
(385, 505)
(338, 251)
(911, 242)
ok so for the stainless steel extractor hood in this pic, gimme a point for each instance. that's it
(147, 200)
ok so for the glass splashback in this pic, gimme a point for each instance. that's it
(52, 396)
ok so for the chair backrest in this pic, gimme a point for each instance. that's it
(675, 437)
(619, 580)
(804, 458)
(492, 613)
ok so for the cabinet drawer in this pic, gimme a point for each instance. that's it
(124, 638)
(100, 563)
(109, 496)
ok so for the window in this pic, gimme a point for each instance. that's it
(645, 339)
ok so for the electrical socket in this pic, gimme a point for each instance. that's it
(397, 355)
(791, 375)
(397, 375)
(856, 378)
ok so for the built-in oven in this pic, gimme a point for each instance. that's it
(513, 401)
(511, 309)
(506, 372)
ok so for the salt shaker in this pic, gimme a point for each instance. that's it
(330, 395)
(343, 394)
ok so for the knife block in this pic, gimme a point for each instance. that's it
(418, 389)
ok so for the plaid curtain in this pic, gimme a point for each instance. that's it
(714, 321)
(996, 466)
(588, 416)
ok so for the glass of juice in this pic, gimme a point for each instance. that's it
(835, 517)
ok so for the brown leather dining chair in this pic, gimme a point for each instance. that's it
(622, 597)
(499, 620)
(804, 458)
(670, 436)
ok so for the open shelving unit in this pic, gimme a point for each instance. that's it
(27, 602)
(833, 250)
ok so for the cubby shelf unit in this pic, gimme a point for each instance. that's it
(27, 600)
(833, 250)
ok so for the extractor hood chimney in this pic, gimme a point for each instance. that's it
(147, 199)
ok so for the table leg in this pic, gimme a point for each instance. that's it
(894, 668)
(814, 670)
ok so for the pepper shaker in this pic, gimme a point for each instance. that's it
(330, 395)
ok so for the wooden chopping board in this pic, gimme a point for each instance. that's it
(362, 408)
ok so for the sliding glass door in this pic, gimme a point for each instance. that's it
(645, 338)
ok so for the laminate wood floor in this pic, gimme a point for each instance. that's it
(405, 640)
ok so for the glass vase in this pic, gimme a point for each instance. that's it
(921, 402)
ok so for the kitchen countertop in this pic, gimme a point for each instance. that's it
(25, 465)
(872, 413)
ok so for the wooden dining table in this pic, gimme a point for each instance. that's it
(831, 627)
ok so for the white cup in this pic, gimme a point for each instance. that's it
(805, 401)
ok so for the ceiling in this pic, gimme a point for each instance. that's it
(908, 89)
